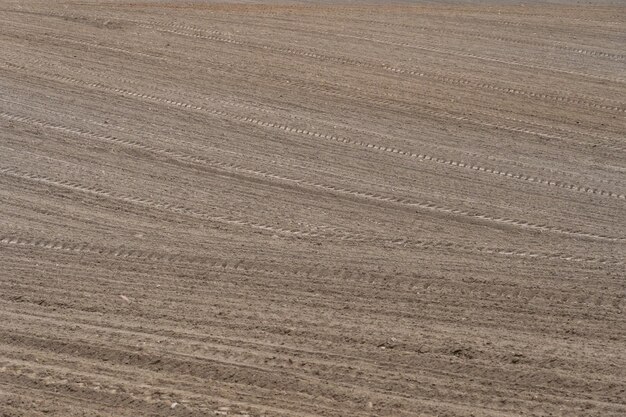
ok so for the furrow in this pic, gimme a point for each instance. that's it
(424, 206)
(221, 37)
(366, 145)
(400, 242)
(100, 192)
(257, 108)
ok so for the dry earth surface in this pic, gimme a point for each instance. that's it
(312, 210)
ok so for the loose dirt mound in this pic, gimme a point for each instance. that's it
(337, 210)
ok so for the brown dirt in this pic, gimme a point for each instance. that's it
(299, 210)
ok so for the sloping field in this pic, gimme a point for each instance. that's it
(312, 210)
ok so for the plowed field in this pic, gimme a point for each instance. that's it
(312, 210)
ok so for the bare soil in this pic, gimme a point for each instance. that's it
(312, 210)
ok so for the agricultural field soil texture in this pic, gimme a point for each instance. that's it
(313, 209)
